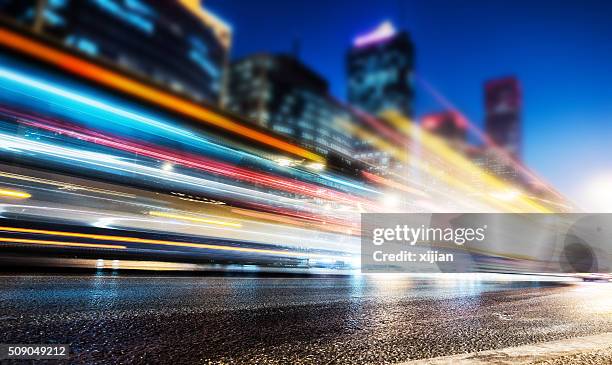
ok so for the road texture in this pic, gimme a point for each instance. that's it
(300, 320)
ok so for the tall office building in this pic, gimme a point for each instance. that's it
(178, 45)
(503, 114)
(280, 93)
(379, 68)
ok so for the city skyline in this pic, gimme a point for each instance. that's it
(560, 123)
(304, 182)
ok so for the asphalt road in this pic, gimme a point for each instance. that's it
(351, 320)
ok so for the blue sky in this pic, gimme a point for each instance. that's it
(560, 50)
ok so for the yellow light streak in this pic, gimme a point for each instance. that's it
(60, 243)
(161, 242)
(458, 161)
(128, 85)
(194, 219)
(62, 185)
(402, 155)
(14, 194)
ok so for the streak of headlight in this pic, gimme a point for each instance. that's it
(454, 158)
(352, 185)
(487, 139)
(60, 243)
(115, 163)
(53, 89)
(274, 238)
(382, 128)
(197, 162)
(14, 194)
(117, 81)
(161, 242)
(348, 229)
(89, 197)
(64, 185)
(459, 161)
(194, 219)
(394, 184)
(402, 155)
(115, 220)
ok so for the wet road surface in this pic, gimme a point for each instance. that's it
(314, 320)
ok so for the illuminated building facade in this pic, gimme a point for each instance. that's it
(179, 46)
(491, 161)
(280, 93)
(503, 114)
(379, 68)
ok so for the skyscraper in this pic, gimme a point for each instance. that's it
(178, 45)
(379, 67)
(503, 113)
(280, 93)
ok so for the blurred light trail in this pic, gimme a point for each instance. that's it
(438, 173)
(14, 194)
(83, 193)
(486, 139)
(253, 231)
(352, 184)
(463, 165)
(194, 219)
(194, 161)
(60, 243)
(105, 162)
(114, 80)
(394, 184)
(38, 89)
(113, 238)
(379, 142)
(383, 129)
(65, 186)
(348, 228)
(352, 197)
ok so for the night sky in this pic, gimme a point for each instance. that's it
(560, 50)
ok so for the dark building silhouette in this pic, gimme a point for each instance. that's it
(177, 45)
(379, 68)
(503, 114)
(448, 124)
(280, 93)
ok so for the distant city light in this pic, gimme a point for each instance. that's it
(316, 166)
(391, 201)
(285, 162)
(167, 166)
(384, 31)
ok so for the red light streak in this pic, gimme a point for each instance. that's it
(190, 160)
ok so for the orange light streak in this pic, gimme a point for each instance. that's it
(130, 86)
(59, 243)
